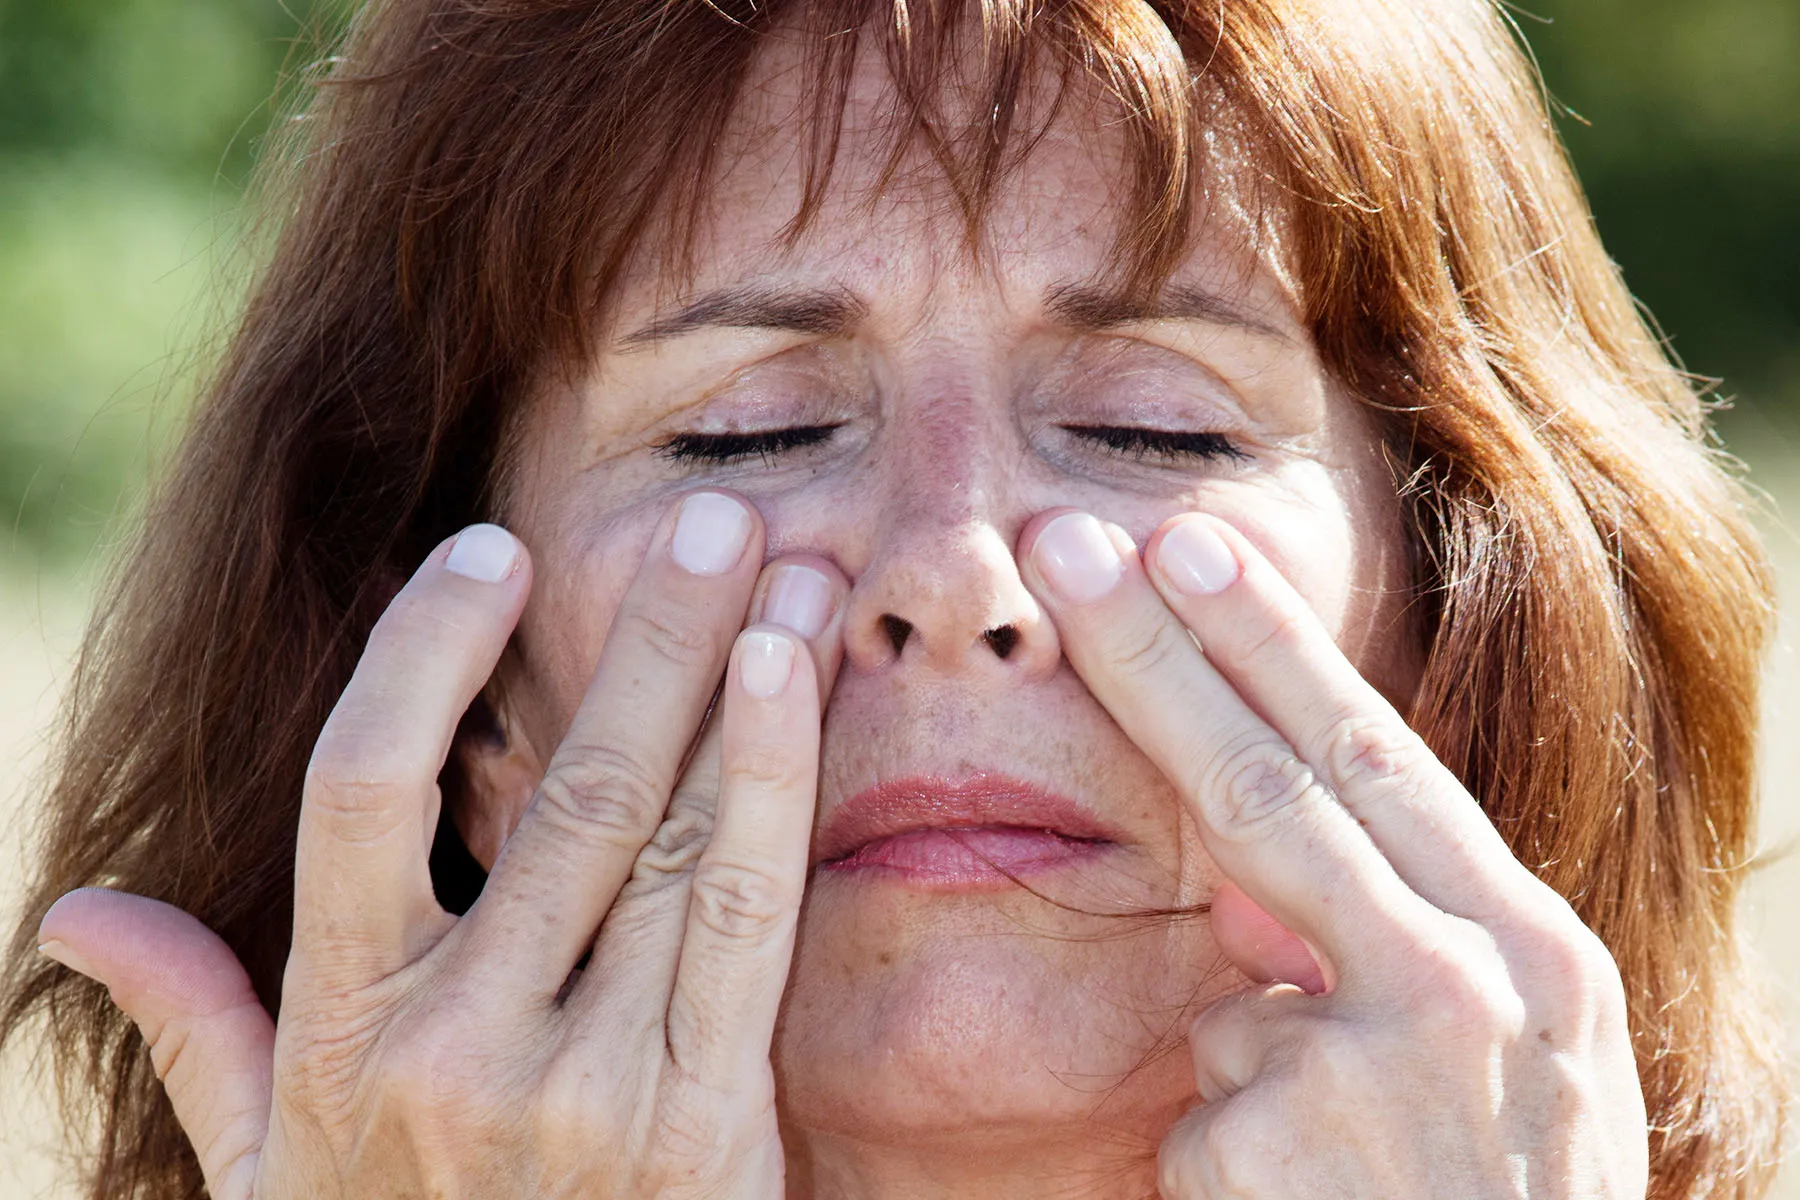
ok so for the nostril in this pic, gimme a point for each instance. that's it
(1002, 640)
(898, 629)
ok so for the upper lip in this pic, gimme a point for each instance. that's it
(917, 802)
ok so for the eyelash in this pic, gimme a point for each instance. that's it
(735, 447)
(1139, 443)
(1133, 441)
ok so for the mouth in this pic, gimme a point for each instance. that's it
(985, 831)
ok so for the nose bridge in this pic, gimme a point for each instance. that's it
(941, 588)
(952, 435)
(952, 463)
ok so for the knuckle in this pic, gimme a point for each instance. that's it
(1229, 1150)
(1147, 646)
(741, 903)
(570, 1108)
(430, 1072)
(562, 1109)
(672, 634)
(1336, 1065)
(1362, 751)
(688, 1125)
(1181, 1169)
(1586, 956)
(1606, 1004)
(168, 1044)
(317, 1057)
(1464, 991)
(1253, 783)
(604, 794)
(1223, 1018)
(1574, 978)
(1278, 630)
(678, 842)
(184, 1049)
(768, 764)
(354, 780)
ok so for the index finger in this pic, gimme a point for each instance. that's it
(363, 903)
(1266, 819)
(607, 787)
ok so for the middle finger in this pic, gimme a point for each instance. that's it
(629, 978)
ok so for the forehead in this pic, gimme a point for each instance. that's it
(894, 213)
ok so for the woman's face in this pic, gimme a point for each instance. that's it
(942, 399)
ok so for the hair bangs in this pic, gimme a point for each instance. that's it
(969, 96)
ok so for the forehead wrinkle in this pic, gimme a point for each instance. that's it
(760, 169)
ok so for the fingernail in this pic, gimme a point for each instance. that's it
(61, 953)
(484, 553)
(799, 598)
(1196, 559)
(710, 533)
(1077, 559)
(765, 662)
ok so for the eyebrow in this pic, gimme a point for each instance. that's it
(831, 312)
(823, 312)
(1085, 306)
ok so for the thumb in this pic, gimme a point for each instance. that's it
(211, 1041)
(1260, 946)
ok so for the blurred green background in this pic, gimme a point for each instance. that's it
(127, 129)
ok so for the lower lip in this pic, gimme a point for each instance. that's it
(983, 856)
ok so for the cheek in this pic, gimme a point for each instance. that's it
(1313, 545)
(1345, 553)
(583, 566)
(833, 518)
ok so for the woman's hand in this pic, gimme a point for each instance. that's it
(1470, 1039)
(421, 1054)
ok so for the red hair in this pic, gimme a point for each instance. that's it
(473, 179)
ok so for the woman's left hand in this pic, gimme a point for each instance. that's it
(1464, 1034)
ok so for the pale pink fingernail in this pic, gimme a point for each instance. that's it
(1196, 559)
(765, 663)
(799, 598)
(60, 952)
(710, 533)
(1077, 559)
(484, 553)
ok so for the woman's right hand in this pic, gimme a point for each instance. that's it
(422, 1054)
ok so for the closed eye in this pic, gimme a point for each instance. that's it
(1140, 443)
(734, 447)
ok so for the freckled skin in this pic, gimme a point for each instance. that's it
(987, 1044)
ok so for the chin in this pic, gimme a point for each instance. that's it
(919, 1019)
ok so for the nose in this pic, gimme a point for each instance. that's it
(948, 598)
(941, 591)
